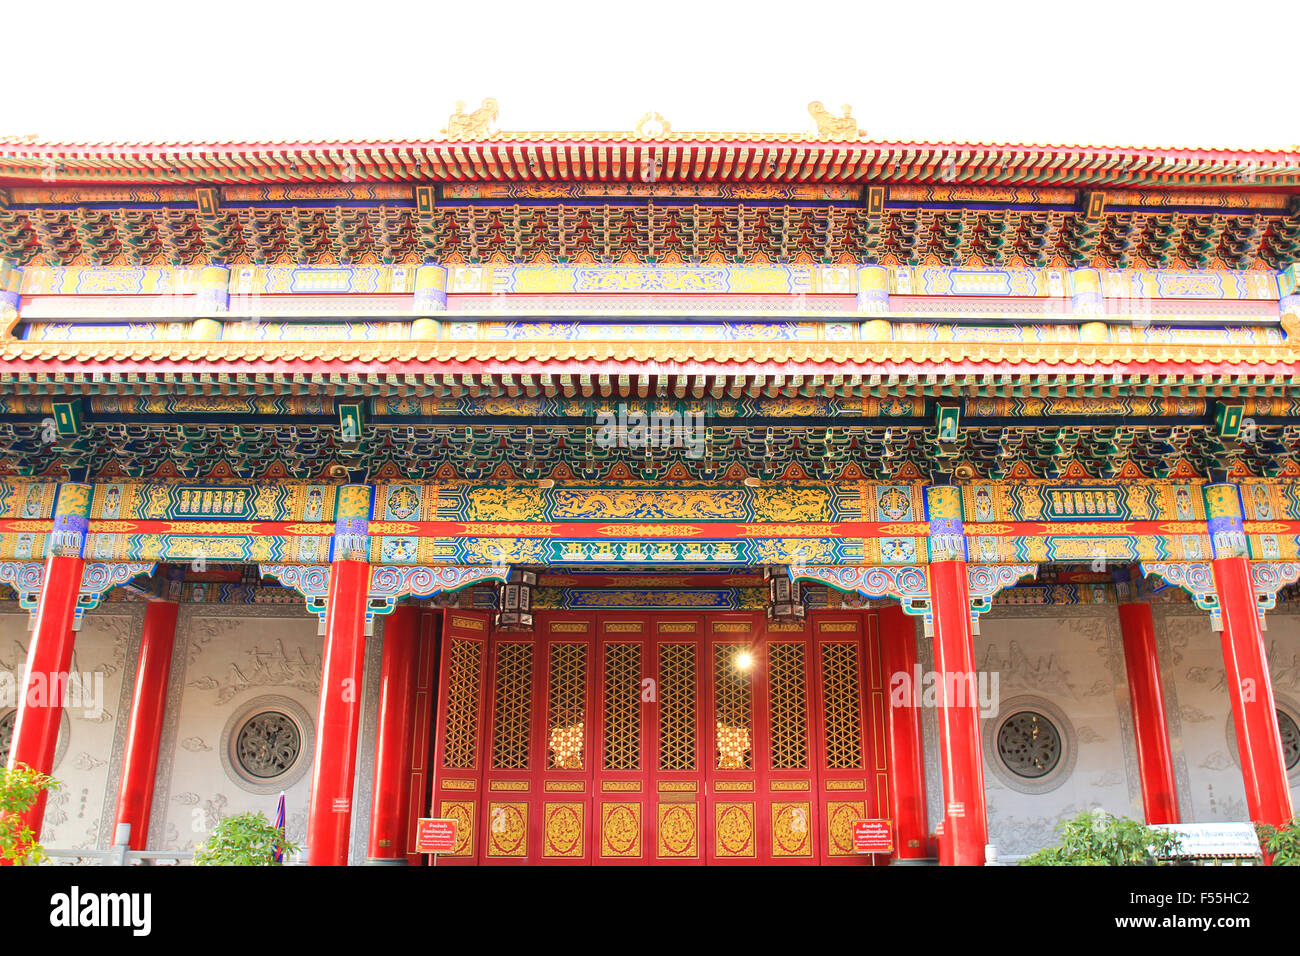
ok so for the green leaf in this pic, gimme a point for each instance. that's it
(248, 839)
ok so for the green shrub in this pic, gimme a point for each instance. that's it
(1097, 838)
(1281, 843)
(248, 839)
(19, 789)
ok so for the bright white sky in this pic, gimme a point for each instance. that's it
(1178, 72)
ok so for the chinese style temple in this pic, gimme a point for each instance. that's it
(648, 497)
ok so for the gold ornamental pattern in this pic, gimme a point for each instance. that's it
(512, 705)
(460, 748)
(622, 703)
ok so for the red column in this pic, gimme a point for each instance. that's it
(394, 737)
(144, 729)
(965, 823)
(426, 706)
(49, 655)
(906, 763)
(330, 816)
(1254, 715)
(1150, 730)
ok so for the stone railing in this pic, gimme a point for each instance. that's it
(119, 854)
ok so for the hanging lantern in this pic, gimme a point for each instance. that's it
(515, 601)
(784, 595)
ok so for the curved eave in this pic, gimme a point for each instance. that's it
(690, 157)
(893, 362)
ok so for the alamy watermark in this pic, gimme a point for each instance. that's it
(950, 688)
(75, 690)
(634, 428)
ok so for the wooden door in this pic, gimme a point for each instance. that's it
(564, 708)
(459, 752)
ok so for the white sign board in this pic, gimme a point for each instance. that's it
(1215, 839)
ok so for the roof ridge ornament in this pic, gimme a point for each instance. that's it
(474, 125)
(652, 125)
(832, 127)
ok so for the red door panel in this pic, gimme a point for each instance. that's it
(459, 756)
(647, 738)
(789, 801)
(565, 691)
(623, 732)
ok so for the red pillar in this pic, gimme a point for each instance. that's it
(144, 729)
(394, 738)
(1150, 730)
(1254, 714)
(906, 763)
(330, 816)
(49, 655)
(965, 823)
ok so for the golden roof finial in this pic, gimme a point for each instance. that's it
(475, 125)
(830, 126)
(652, 125)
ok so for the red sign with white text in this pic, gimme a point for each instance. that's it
(872, 836)
(435, 836)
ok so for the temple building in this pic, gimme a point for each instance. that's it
(648, 497)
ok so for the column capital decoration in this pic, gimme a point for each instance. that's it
(1194, 577)
(388, 583)
(97, 579)
(71, 520)
(1224, 518)
(908, 584)
(943, 511)
(984, 581)
(1267, 578)
(352, 511)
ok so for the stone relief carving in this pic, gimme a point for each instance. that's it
(1089, 736)
(358, 847)
(1169, 652)
(1216, 677)
(1226, 808)
(294, 765)
(1193, 715)
(56, 808)
(197, 626)
(126, 629)
(1216, 761)
(86, 761)
(1015, 669)
(1099, 688)
(1014, 835)
(195, 745)
(1111, 778)
(273, 667)
(1284, 669)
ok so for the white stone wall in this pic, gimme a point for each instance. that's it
(229, 663)
(1067, 663)
(79, 815)
(1200, 713)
